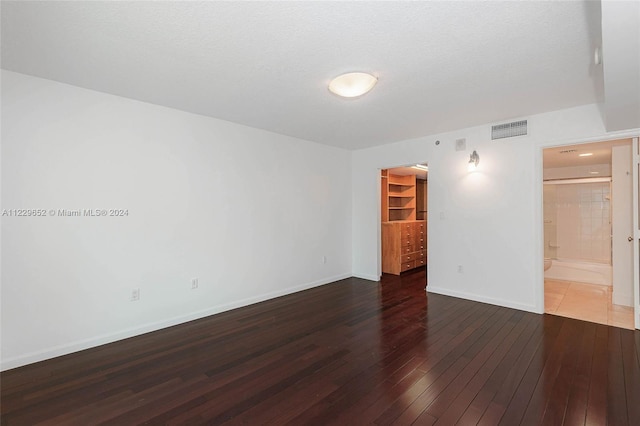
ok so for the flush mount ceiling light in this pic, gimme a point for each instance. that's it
(421, 167)
(586, 154)
(353, 84)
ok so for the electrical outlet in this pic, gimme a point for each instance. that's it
(460, 269)
(135, 294)
(194, 283)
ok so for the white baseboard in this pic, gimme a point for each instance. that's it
(92, 342)
(367, 277)
(622, 299)
(484, 299)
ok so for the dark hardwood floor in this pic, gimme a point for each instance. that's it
(351, 352)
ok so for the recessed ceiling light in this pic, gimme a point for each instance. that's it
(586, 154)
(353, 84)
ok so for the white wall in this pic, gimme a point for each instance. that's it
(621, 63)
(248, 212)
(490, 221)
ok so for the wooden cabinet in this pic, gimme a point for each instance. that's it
(404, 245)
(421, 199)
(404, 239)
(398, 197)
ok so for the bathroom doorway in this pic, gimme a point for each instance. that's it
(588, 221)
(403, 221)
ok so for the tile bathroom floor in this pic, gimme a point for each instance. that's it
(587, 302)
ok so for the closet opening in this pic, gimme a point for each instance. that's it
(403, 220)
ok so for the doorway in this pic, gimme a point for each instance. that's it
(588, 221)
(403, 219)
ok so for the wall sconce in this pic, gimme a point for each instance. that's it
(474, 159)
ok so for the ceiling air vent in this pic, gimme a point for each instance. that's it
(509, 130)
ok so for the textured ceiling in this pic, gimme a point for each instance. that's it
(441, 65)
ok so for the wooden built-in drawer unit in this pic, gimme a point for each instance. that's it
(407, 265)
(404, 245)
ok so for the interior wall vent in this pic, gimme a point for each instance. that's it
(509, 130)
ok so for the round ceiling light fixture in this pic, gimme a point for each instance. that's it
(352, 84)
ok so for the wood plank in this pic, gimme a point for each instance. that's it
(453, 376)
(558, 396)
(631, 376)
(597, 401)
(448, 410)
(616, 392)
(576, 409)
(537, 398)
(445, 365)
(365, 410)
(510, 401)
(504, 378)
(350, 352)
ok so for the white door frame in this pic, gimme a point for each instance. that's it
(636, 213)
(622, 228)
(379, 203)
(636, 232)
